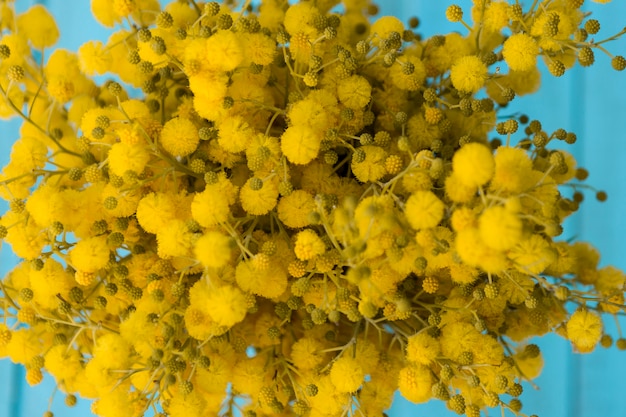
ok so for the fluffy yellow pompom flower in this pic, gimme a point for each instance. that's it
(512, 170)
(155, 210)
(412, 81)
(313, 113)
(308, 353)
(383, 26)
(90, 254)
(533, 255)
(473, 251)
(174, 239)
(520, 52)
(193, 404)
(500, 229)
(347, 374)
(308, 245)
(259, 48)
(457, 191)
(210, 208)
(228, 305)
(38, 25)
(354, 92)
(112, 403)
(259, 201)
(473, 164)
(124, 157)
(496, 16)
(294, 209)
(422, 348)
(224, 51)
(373, 167)
(61, 89)
(424, 210)
(62, 363)
(235, 134)
(468, 74)
(180, 137)
(269, 283)
(300, 144)
(213, 249)
(414, 383)
(49, 281)
(124, 7)
(103, 11)
(301, 17)
(584, 330)
(94, 58)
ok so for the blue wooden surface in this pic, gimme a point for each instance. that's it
(590, 103)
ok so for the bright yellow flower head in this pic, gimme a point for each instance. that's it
(90, 254)
(347, 374)
(520, 52)
(500, 228)
(473, 164)
(468, 74)
(38, 25)
(354, 92)
(213, 249)
(308, 245)
(584, 329)
(179, 137)
(424, 210)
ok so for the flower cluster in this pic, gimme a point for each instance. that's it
(306, 209)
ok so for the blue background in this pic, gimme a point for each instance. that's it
(589, 102)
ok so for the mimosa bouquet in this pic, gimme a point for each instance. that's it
(294, 209)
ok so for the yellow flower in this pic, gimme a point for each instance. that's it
(414, 383)
(179, 137)
(103, 11)
(424, 210)
(500, 228)
(124, 157)
(210, 208)
(155, 210)
(228, 305)
(384, 26)
(235, 134)
(300, 17)
(308, 353)
(259, 201)
(520, 52)
(347, 374)
(285, 173)
(175, 239)
(38, 25)
(224, 51)
(94, 58)
(213, 249)
(468, 74)
(422, 348)
(300, 144)
(354, 92)
(373, 167)
(584, 329)
(512, 170)
(268, 283)
(90, 254)
(308, 245)
(294, 209)
(473, 164)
